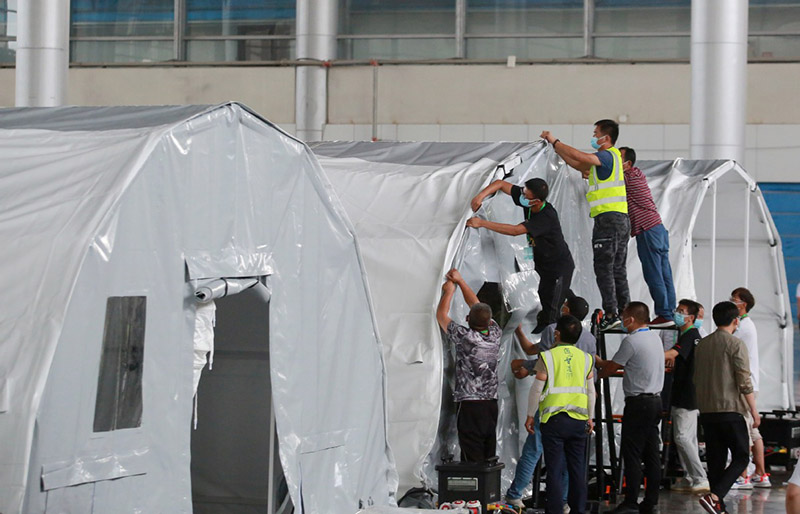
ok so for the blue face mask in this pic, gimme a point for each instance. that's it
(524, 201)
(698, 323)
(680, 319)
(594, 143)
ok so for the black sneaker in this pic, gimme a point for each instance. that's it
(610, 323)
(711, 505)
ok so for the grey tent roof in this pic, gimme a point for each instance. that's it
(97, 118)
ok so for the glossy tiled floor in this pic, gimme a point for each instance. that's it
(757, 501)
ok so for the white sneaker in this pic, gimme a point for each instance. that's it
(742, 483)
(761, 480)
(566, 509)
(701, 487)
(682, 485)
(515, 502)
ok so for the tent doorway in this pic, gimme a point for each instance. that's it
(234, 448)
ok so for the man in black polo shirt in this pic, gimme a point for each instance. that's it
(551, 256)
(684, 400)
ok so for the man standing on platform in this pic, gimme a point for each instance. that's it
(608, 206)
(652, 240)
(642, 355)
(724, 398)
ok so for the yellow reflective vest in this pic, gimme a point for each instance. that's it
(608, 195)
(567, 388)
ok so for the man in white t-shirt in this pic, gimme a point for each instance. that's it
(793, 493)
(745, 301)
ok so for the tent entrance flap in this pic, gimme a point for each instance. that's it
(235, 465)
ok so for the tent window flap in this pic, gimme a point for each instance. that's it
(119, 384)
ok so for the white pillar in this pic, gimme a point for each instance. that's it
(316, 41)
(719, 79)
(42, 53)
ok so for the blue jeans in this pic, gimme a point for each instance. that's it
(564, 440)
(526, 465)
(653, 248)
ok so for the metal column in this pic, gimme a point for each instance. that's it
(719, 79)
(588, 28)
(316, 41)
(42, 53)
(461, 28)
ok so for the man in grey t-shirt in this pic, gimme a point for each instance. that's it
(642, 356)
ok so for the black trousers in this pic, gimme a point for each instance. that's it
(477, 425)
(554, 288)
(640, 442)
(610, 236)
(725, 431)
(564, 445)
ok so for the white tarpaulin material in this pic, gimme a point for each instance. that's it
(109, 216)
(409, 202)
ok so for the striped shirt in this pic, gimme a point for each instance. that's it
(641, 207)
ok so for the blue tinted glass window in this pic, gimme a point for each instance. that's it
(122, 17)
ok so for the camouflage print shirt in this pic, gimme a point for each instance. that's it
(476, 361)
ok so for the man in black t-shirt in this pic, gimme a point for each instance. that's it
(683, 399)
(551, 256)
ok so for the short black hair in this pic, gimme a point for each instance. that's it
(480, 315)
(725, 313)
(691, 306)
(578, 307)
(608, 128)
(746, 296)
(538, 187)
(569, 329)
(630, 154)
(638, 311)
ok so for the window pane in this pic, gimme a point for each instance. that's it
(398, 48)
(642, 47)
(615, 16)
(769, 47)
(525, 16)
(122, 17)
(8, 18)
(240, 17)
(398, 17)
(525, 48)
(121, 51)
(7, 53)
(119, 384)
(783, 17)
(246, 50)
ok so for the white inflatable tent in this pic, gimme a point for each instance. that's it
(409, 202)
(110, 217)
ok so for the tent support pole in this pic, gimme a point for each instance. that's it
(747, 237)
(713, 241)
(271, 468)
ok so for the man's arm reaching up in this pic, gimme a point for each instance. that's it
(443, 310)
(469, 295)
(581, 161)
(497, 185)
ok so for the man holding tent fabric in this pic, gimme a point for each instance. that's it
(551, 256)
(477, 350)
(608, 206)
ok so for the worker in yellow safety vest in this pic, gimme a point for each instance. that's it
(564, 394)
(608, 206)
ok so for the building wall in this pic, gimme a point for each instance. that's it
(475, 102)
